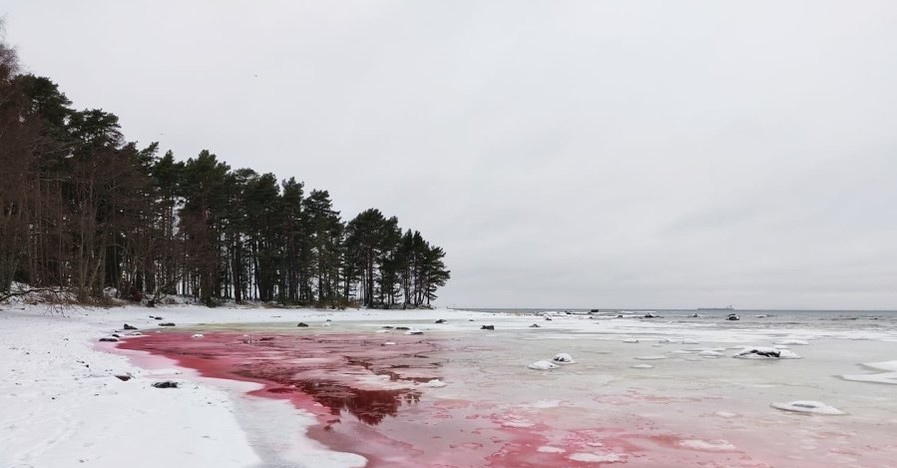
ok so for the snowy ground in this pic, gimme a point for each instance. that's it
(660, 382)
(62, 406)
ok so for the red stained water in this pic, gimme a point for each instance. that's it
(365, 399)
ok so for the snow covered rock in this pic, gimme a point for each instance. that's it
(814, 407)
(414, 331)
(762, 352)
(166, 384)
(542, 365)
(435, 383)
(563, 358)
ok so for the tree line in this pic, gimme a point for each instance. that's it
(83, 209)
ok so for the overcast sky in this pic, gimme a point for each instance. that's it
(565, 154)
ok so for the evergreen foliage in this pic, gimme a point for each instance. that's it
(82, 208)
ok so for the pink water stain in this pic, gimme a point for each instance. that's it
(367, 399)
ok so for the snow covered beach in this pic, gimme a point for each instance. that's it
(640, 392)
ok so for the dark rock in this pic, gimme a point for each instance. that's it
(267, 338)
(594, 310)
(129, 327)
(158, 318)
(302, 325)
(650, 315)
(441, 321)
(535, 325)
(123, 377)
(487, 327)
(766, 353)
(403, 328)
(387, 327)
(151, 303)
(116, 335)
(547, 318)
(109, 340)
(166, 324)
(166, 384)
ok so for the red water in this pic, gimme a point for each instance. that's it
(367, 400)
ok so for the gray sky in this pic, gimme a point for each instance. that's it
(565, 154)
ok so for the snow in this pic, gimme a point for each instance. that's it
(806, 406)
(62, 405)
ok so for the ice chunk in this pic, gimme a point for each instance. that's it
(542, 365)
(550, 449)
(643, 366)
(718, 445)
(197, 335)
(803, 406)
(609, 457)
(650, 358)
(435, 383)
(710, 353)
(630, 340)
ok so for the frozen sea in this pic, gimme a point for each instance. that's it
(662, 391)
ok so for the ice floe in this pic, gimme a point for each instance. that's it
(708, 445)
(630, 340)
(609, 457)
(789, 342)
(650, 358)
(805, 406)
(550, 449)
(543, 365)
(888, 376)
(642, 366)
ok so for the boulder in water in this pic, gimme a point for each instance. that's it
(487, 327)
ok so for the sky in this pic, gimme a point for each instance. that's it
(596, 154)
